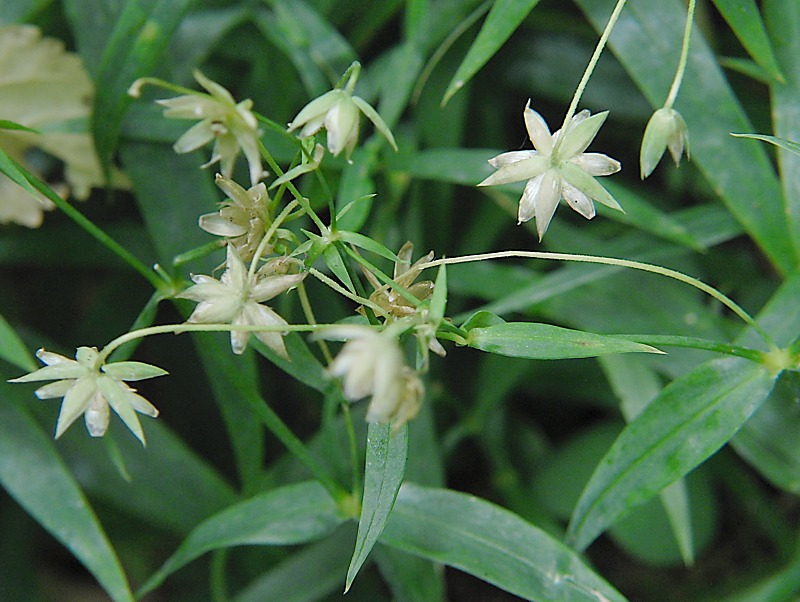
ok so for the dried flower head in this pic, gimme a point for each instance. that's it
(89, 387)
(557, 168)
(404, 275)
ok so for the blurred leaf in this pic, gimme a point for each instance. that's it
(170, 485)
(636, 385)
(783, 21)
(691, 419)
(289, 515)
(646, 42)
(319, 53)
(357, 183)
(411, 579)
(135, 48)
(92, 24)
(491, 543)
(234, 381)
(33, 474)
(385, 466)
(548, 342)
(745, 21)
(21, 11)
(503, 19)
(13, 350)
(320, 568)
(399, 78)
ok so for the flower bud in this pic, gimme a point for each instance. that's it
(666, 129)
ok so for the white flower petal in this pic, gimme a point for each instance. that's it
(195, 137)
(220, 311)
(117, 396)
(315, 110)
(271, 286)
(239, 338)
(341, 123)
(215, 224)
(577, 200)
(141, 405)
(597, 164)
(546, 200)
(538, 131)
(133, 370)
(76, 402)
(55, 389)
(97, 416)
(511, 157)
(518, 171)
(54, 372)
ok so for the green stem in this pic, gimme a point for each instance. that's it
(268, 236)
(695, 343)
(303, 201)
(343, 291)
(383, 277)
(353, 448)
(625, 263)
(612, 20)
(311, 319)
(676, 83)
(219, 590)
(98, 234)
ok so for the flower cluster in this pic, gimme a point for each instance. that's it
(89, 387)
(557, 168)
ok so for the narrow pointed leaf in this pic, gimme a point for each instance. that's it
(745, 21)
(290, 515)
(547, 342)
(503, 19)
(690, 420)
(9, 167)
(491, 543)
(385, 467)
(13, 350)
(136, 46)
(33, 473)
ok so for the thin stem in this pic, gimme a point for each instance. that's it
(186, 327)
(612, 20)
(311, 319)
(98, 234)
(625, 263)
(352, 447)
(383, 277)
(268, 236)
(292, 188)
(217, 573)
(687, 32)
(343, 291)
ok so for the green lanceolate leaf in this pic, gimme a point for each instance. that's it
(547, 342)
(744, 19)
(9, 167)
(385, 467)
(691, 419)
(502, 21)
(290, 515)
(491, 543)
(788, 145)
(135, 48)
(34, 474)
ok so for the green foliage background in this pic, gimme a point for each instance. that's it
(526, 435)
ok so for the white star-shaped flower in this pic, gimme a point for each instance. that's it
(231, 125)
(237, 297)
(557, 168)
(89, 387)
